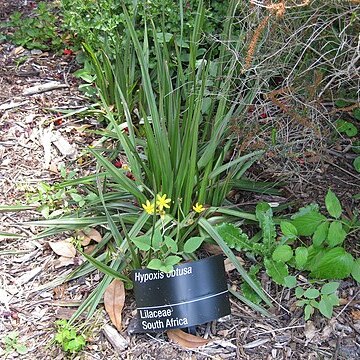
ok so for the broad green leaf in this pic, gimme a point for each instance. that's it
(320, 234)
(301, 257)
(193, 244)
(311, 293)
(335, 263)
(341, 103)
(288, 229)
(355, 272)
(282, 253)
(325, 307)
(264, 215)
(299, 292)
(21, 349)
(157, 240)
(142, 242)
(171, 244)
(307, 224)
(234, 236)
(356, 164)
(332, 299)
(314, 256)
(172, 260)
(308, 311)
(154, 264)
(302, 302)
(333, 205)
(336, 234)
(346, 127)
(290, 281)
(329, 288)
(277, 270)
(356, 114)
(166, 268)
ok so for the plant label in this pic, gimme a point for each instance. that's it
(193, 293)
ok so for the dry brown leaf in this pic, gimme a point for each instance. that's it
(355, 314)
(89, 249)
(229, 266)
(85, 240)
(64, 261)
(186, 340)
(63, 248)
(92, 233)
(212, 249)
(114, 298)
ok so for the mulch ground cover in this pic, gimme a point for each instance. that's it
(33, 142)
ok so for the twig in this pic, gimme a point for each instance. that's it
(53, 85)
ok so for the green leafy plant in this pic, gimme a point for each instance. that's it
(12, 344)
(325, 256)
(98, 22)
(36, 32)
(173, 139)
(323, 300)
(53, 200)
(68, 338)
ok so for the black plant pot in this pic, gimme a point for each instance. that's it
(194, 293)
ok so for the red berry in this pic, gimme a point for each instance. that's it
(118, 164)
(263, 115)
(130, 176)
(68, 52)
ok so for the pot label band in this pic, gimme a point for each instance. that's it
(193, 293)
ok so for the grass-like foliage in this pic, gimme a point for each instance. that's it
(171, 130)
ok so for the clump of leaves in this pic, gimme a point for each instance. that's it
(53, 200)
(323, 300)
(325, 256)
(68, 338)
(12, 344)
(35, 32)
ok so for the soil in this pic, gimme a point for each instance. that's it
(32, 295)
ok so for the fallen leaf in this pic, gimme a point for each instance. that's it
(85, 240)
(311, 333)
(89, 249)
(186, 340)
(355, 314)
(212, 249)
(26, 277)
(63, 248)
(63, 261)
(114, 298)
(229, 266)
(93, 234)
(63, 145)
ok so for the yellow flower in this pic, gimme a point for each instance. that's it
(162, 202)
(126, 167)
(198, 208)
(149, 207)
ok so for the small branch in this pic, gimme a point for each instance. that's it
(53, 85)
